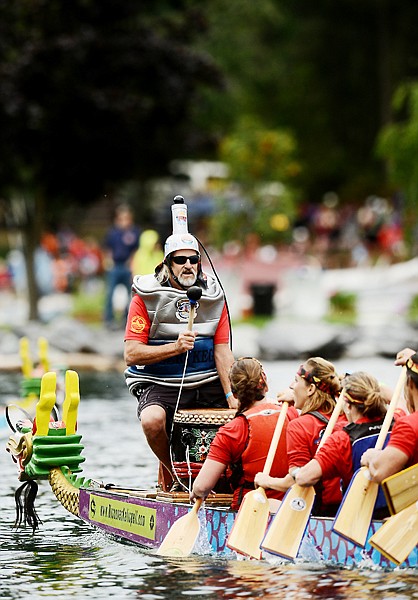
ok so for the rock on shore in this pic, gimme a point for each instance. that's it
(78, 346)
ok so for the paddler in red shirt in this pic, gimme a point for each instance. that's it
(242, 445)
(365, 407)
(315, 390)
(402, 449)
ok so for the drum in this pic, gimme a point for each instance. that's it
(193, 432)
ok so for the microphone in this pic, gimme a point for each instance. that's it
(194, 293)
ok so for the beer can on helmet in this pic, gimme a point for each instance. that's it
(180, 239)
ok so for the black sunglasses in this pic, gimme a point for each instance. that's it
(181, 260)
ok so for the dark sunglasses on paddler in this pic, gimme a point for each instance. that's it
(181, 260)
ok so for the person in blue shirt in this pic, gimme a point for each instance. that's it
(121, 243)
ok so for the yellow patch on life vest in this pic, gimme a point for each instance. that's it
(137, 324)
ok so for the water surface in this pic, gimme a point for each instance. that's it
(68, 559)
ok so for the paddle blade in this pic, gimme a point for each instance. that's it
(398, 536)
(401, 489)
(355, 513)
(250, 524)
(286, 531)
(183, 534)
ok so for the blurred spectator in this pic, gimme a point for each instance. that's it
(326, 221)
(17, 268)
(121, 243)
(58, 267)
(43, 271)
(350, 235)
(90, 262)
(5, 275)
(149, 253)
(50, 243)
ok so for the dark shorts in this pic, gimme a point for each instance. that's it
(208, 395)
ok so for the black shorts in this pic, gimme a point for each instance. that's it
(208, 395)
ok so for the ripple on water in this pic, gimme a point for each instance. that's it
(68, 559)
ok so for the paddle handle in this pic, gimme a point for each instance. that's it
(333, 418)
(275, 439)
(197, 505)
(391, 410)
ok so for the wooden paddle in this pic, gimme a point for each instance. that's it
(183, 534)
(251, 521)
(398, 536)
(355, 513)
(286, 531)
(401, 489)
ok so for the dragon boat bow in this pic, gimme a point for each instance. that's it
(52, 450)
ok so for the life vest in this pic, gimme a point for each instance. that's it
(362, 437)
(328, 494)
(321, 418)
(168, 311)
(261, 421)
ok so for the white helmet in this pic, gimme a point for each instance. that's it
(180, 241)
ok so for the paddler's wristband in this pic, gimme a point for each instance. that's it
(294, 472)
(228, 395)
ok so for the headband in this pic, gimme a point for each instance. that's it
(263, 379)
(250, 358)
(318, 383)
(412, 366)
(352, 400)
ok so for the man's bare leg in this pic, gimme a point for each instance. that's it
(153, 420)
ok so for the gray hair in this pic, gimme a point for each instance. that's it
(163, 274)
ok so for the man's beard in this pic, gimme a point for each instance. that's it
(187, 280)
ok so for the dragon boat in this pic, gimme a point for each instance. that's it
(24, 406)
(30, 386)
(52, 450)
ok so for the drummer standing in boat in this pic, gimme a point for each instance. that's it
(170, 367)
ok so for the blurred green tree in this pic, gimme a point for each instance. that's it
(398, 145)
(92, 94)
(325, 71)
(264, 163)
